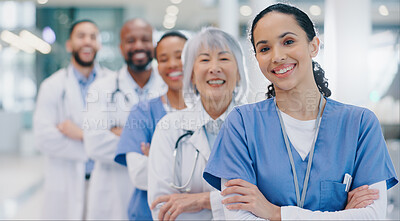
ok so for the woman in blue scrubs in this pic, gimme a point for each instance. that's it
(297, 154)
(133, 147)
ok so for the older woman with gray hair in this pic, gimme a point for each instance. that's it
(214, 82)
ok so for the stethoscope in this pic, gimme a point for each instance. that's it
(118, 90)
(184, 186)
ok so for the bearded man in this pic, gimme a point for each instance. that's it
(58, 122)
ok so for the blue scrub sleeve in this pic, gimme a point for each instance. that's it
(373, 163)
(137, 129)
(230, 158)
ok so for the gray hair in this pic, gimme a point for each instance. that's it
(212, 38)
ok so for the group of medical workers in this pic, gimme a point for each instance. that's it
(178, 141)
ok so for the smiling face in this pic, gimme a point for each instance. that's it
(84, 43)
(284, 53)
(137, 44)
(215, 74)
(169, 52)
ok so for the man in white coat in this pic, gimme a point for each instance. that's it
(58, 122)
(109, 103)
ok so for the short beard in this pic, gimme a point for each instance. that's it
(142, 67)
(78, 60)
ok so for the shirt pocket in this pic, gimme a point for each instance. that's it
(333, 196)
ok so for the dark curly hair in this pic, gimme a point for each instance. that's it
(307, 25)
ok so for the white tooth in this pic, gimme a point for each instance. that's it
(175, 74)
(284, 70)
(216, 81)
(139, 55)
(87, 50)
(281, 71)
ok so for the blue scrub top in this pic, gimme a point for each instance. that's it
(139, 128)
(250, 146)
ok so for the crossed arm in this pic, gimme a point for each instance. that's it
(243, 200)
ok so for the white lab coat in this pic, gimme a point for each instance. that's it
(60, 99)
(161, 160)
(110, 186)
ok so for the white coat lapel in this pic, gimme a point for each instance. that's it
(128, 87)
(74, 101)
(193, 120)
(200, 142)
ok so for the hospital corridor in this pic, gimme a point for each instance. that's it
(199, 110)
(22, 194)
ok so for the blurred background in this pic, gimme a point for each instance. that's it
(359, 52)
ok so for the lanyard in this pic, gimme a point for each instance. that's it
(300, 202)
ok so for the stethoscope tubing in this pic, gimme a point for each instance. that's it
(118, 89)
(184, 186)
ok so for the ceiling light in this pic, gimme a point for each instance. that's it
(42, 2)
(315, 10)
(170, 18)
(245, 10)
(15, 41)
(172, 10)
(383, 10)
(35, 42)
(176, 1)
(168, 25)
